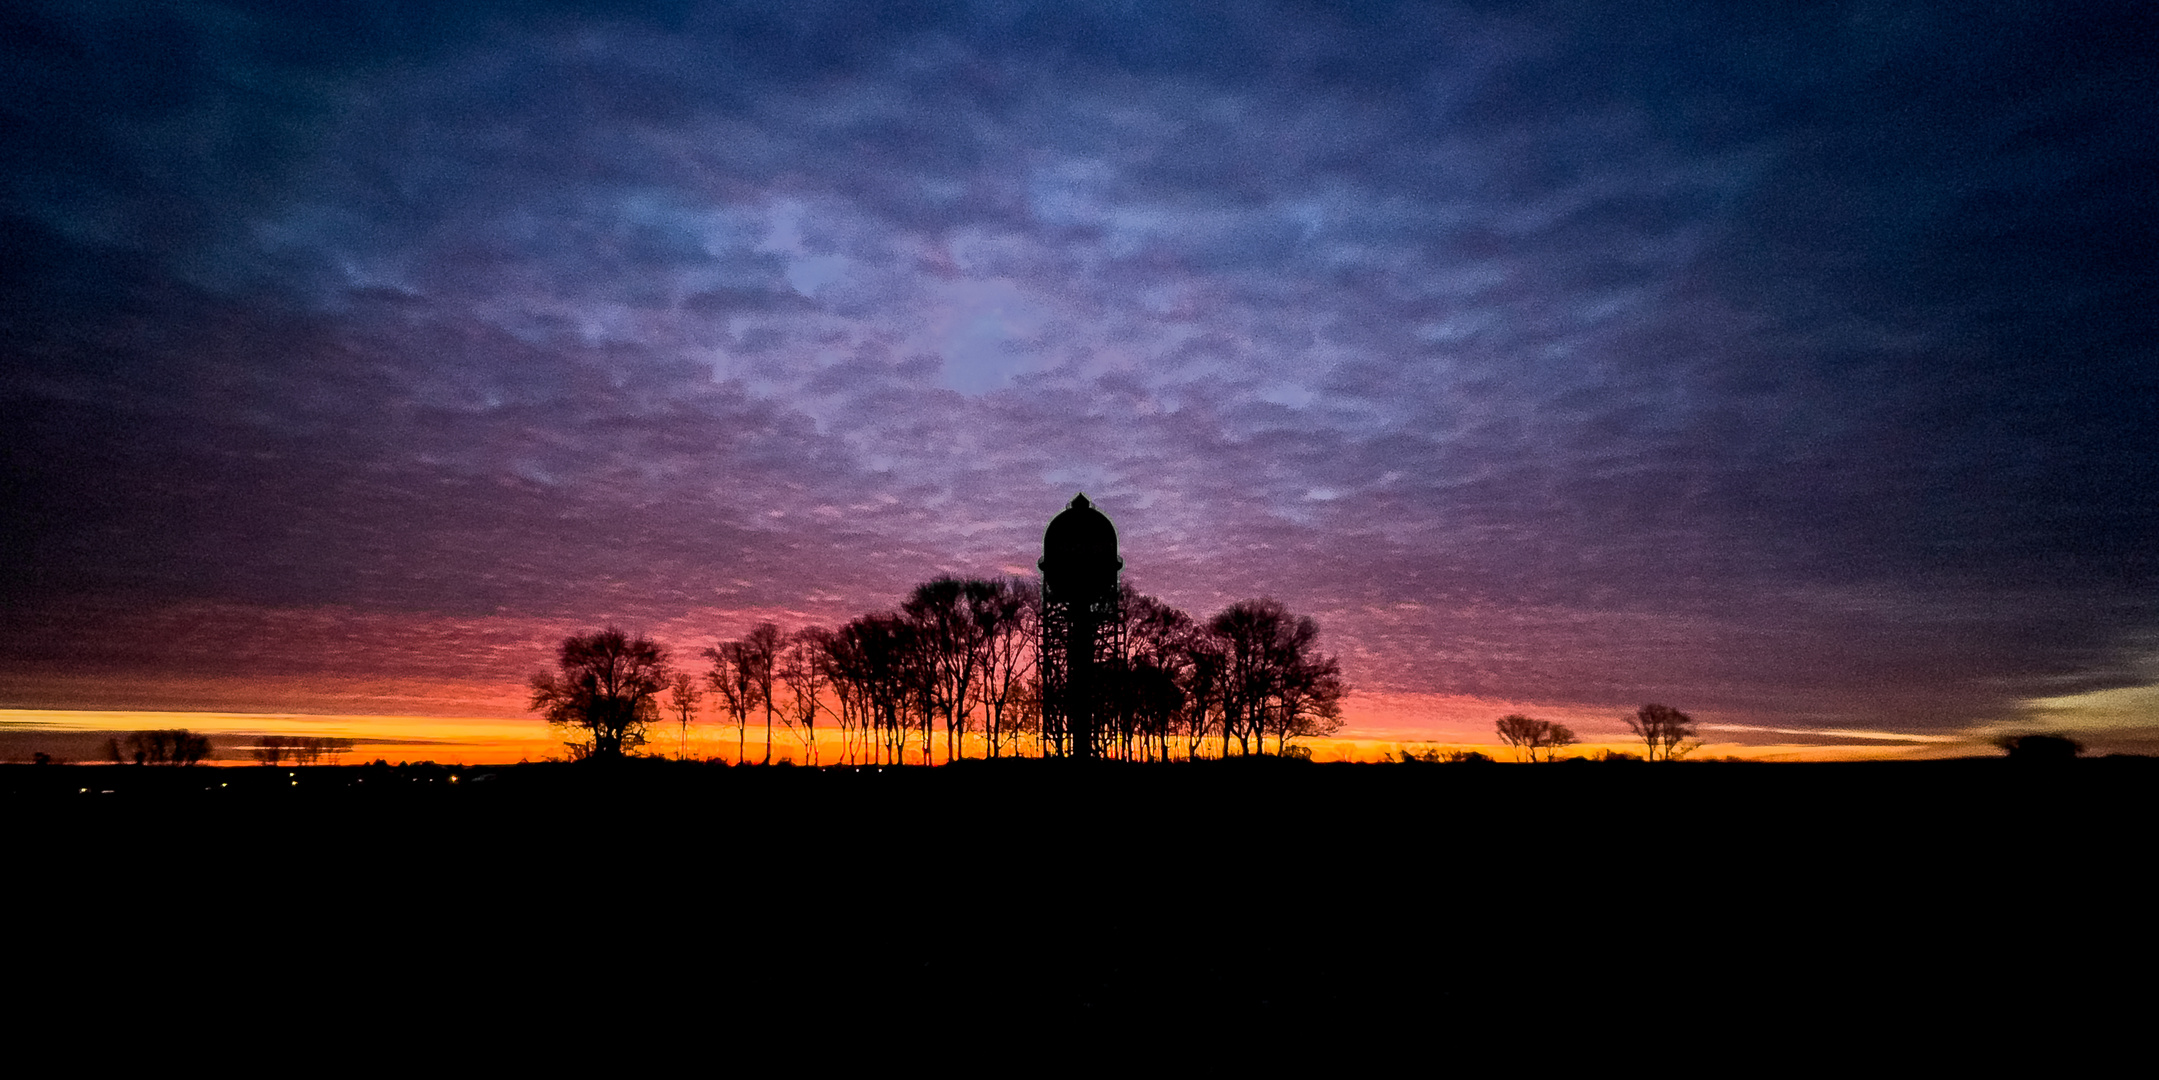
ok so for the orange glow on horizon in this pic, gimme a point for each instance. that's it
(497, 740)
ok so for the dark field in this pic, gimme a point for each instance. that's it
(1237, 891)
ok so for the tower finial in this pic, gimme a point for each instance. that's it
(1079, 501)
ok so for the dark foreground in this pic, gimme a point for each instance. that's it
(1362, 898)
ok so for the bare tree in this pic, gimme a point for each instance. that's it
(1528, 736)
(873, 664)
(1156, 676)
(1206, 679)
(682, 698)
(270, 749)
(1246, 630)
(606, 691)
(167, 746)
(876, 669)
(839, 656)
(1309, 702)
(733, 677)
(761, 655)
(803, 671)
(311, 749)
(1274, 681)
(954, 620)
(1521, 733)
(1558, 737)
(1665, 731)
(1011, 621)
(2039, 747)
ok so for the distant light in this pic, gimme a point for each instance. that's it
(84, 791)
(296, 783)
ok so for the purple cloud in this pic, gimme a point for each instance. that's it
(1792, 367)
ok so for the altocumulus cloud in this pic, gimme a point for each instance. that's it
(1795, 366)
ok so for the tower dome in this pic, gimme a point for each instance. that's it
(1079, 552)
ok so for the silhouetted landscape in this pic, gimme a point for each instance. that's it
(1076, 664)
(1125, 848)
(1223, 891)
(712, 414)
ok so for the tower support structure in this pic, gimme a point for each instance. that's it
(1082, 632)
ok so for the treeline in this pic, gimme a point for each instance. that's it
(179, 746)
(170, 746)
(956, 663)
(299, 749)
(1666, 733)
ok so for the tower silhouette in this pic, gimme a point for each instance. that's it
(1082, 628)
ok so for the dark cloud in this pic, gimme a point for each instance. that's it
(1796, 363)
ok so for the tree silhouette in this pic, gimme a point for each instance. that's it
(1158, 676)
(2039, 747)
(606, 691)
(742, 673)
(169, 746)
(1274, 681)
(1667, 733)
(802, 670)
(1521, 733)
(1557, 738)
(1528, 736)
(270, 749)
(950, 619)
(1206, 682)
(1247, 631)
(1011, 617)
(1309, 700)
(682, 697)
(760, 657)
(879, 673)
(839, 656)
(965, 651)
(311, 749)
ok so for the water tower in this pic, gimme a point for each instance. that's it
(1082, 629)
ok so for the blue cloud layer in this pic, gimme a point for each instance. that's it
(1797, 364)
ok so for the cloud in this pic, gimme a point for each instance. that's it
(1796, 365)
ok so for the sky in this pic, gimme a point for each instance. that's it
(1791, 364)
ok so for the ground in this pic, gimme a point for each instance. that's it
(1234, 892)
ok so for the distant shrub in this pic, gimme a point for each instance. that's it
(1432, 755)
(2039, 747)
(175, 746)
